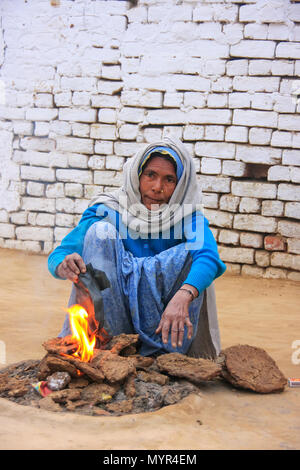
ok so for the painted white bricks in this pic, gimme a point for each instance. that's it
(255, 223)
(79, 115)
(37, 143)
(70, 144)
(254, 240)
(214, 184)
(292, 210)
(38, 204)
(210, 201)
(285, 260)
(279, 173)
(103, 131)
(288, 50)
(289, 122)
(294, 245)
(249, 205)
(219, 218)
(237, 255)
(7, 230)
(251, 189)
(257, 154)
(81, 176)
(233, 168)
(291, 157)
(41, 114)
(229, 203)
(220, 75)
(34, 233)
(236, 134)
(255, 118)
(265, 13)
(23, 128)
(289, 229)
(78, 84)
(260, 136)
(253, 48)
(203, 13)
(262, 258)
(208, 116)
(108, 178)
(37, 173)
(114, 162)
(215, 150)
(145, 99)
(288, 192)
(272, 208)
(210, 166)
(229, 237)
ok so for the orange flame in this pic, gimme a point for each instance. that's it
(80, 330)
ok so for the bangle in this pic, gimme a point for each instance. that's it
(189, 291)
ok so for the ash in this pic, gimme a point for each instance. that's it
(118, 380)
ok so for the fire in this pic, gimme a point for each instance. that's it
(80, 330)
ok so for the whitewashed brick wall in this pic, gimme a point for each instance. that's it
(85, 83)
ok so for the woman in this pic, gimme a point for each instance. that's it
(155, 246)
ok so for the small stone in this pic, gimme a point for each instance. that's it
(58, 380)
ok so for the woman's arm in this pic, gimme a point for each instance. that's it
(206, 267)
(207, 264)
(72, 244)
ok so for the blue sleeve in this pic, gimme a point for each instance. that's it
(73, 242)
(206, 265)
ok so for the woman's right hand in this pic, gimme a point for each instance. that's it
(71, 267)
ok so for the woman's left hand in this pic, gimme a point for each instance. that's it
(174, 318)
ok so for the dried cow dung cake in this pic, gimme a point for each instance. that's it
(193, 369)
(116, 368)
(123, 341)
(252, 368)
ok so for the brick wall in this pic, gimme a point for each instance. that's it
(83, 84)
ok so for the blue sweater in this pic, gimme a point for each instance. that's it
(194, 231)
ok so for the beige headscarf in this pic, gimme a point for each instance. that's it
(185, 199)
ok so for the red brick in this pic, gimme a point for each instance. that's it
(273, 243)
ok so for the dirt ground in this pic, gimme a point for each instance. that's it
(263, 313)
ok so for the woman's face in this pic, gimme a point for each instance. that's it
(157, 183)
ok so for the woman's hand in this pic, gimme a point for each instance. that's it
(175, 317)
(71, 267)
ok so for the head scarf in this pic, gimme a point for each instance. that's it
(185, 199)
(163, 151)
